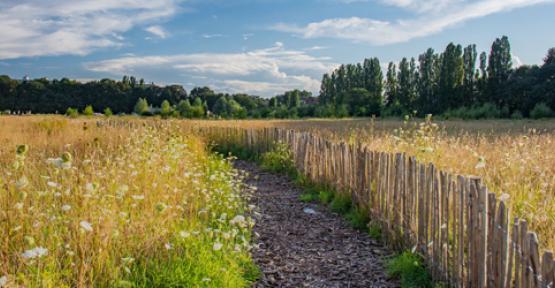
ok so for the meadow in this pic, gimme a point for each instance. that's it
(144, 202)
(515, 159)
(83, 205)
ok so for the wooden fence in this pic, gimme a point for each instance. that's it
(462, 230)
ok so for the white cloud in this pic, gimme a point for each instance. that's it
(56, 27)
(262, 71)
(158, 31)
(210, 36)
(379, 32)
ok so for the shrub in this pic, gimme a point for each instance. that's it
(108, 112)
(141, 107)
(358, 218)
(517, 115)
(375, 230)
(165, 109)
(541, 110)
(279, 160)
(72, 112)
(325, 196)
(410, 269)
(88, 111)
(341, 204)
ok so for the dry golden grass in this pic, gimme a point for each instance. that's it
(516, 159)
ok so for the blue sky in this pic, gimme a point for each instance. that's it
(260, 47)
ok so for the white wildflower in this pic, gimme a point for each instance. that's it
(138, 197)
(168, 246)
(89, 187)
(3, 281)
(217, 246)
(18, 206)
(36, 252)
(22, 182)
(66, 207)
(86, 226)
(184, 234)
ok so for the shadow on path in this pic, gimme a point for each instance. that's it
(305, 245)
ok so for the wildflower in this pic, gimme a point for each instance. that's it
(217, 246)
(86, 226)
(66, 207)
(238, 220)
(36, 252)
(22, 182)
(138, 197)
(52, 184)
(168, 246)
(184, 234)
(18, 206)
(90, 187)
(3, 281)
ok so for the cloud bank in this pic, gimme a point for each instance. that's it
(263, 71)
(56, 27)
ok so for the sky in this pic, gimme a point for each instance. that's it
(261, 47)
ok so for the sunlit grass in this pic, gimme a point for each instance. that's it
(515, 159)
(88, 206)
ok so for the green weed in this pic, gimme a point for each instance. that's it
(409, 268)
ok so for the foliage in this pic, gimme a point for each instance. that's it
(375, 231)
(410, 269)
(72, 112)
(279, 160)
(141, 107)
(108, 112)
(358, 218)
(165, 109)
(541, 110)
(341, 203)
(88, 111)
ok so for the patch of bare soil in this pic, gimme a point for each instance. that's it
(305, 245)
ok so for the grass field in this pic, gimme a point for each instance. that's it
(516, 159)
(84, 206)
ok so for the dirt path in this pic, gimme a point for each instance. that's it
(305, 245)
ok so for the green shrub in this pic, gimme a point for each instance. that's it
(375, 230)
(541, 110)
(308, 197)
(88, 111)
(279, 160)
(358, 218)
(325, 196)
(517, 115)
(409, 268)
(108, 112)
(72, 112)
(341, 204)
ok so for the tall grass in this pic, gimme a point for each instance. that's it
(87, 206)
(515, 159)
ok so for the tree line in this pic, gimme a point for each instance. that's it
(456, 83)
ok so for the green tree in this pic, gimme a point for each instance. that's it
(469, 82)
(499, 69)
(88, 111)
(108, 112)
(165, 109)
(427, 86)
(141, 107)
(451, 77)
(391, 86)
